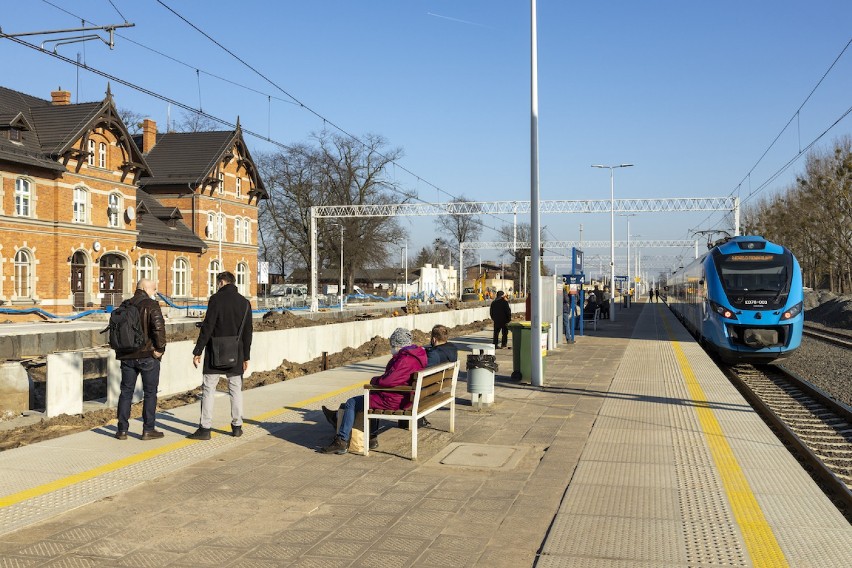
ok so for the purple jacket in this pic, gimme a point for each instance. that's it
(398, 373)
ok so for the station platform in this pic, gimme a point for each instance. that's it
(636, 452)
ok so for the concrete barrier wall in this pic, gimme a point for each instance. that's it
(177, 374)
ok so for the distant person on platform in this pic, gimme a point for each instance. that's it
(406, 359)
(591, 304)
(439, 351)
(228, 315)
(651, 295)
(599, 295)
(607, 300)
(145, 361)
(501, 315)
(657, 293)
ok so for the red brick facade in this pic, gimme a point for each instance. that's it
(69, 239)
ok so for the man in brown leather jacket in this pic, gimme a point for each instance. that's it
(144, 361)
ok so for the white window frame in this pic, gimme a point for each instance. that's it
(145, 268)
(90, 158)
(180, 276)
(247, 231)
(239, 183)
(220, 227)
(114, 209)
(79, 205)
(23, 274)
(102, 155)
(23, 197)
(221, 188)
(213, 269)
(242, 278)
(238, 227)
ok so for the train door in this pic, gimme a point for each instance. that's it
(78, 280)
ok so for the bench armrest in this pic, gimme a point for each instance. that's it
(369, 387)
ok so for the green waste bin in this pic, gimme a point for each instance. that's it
(521, 338)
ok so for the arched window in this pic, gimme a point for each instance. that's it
(242, 278)
(238, 228)
(23, 274)
(114, 209)
(212, 271)
(247, 231)
(102, 155)
(23, 197)
(81, 196)
(145, 268)
(179, 277)
(90, 157)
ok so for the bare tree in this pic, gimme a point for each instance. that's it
(132, 120)
(194, 122)
(459, 228)
(334, 170)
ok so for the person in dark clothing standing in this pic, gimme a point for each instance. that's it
(439, 351)
(501, 315)
(657, 294)
(145, 361)
(227, 312)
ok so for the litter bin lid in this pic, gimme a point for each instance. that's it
(480, 349)
(528, 325)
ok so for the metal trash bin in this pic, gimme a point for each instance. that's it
(481, 366)
(521, 338)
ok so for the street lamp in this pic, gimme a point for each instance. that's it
(612, 233)
(629, 280)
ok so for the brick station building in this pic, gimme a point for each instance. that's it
(85, 213)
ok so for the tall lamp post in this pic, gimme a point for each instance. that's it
(629, 280)
(612, 302)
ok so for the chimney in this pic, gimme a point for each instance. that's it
(61, 97)
(149, 135)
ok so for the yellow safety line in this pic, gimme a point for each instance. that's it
(759, 538)
(49, 487)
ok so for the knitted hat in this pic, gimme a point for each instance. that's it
(400, 337)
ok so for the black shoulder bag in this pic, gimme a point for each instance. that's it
(225, 351)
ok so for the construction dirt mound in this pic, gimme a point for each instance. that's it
(49, 428)
(828, 309)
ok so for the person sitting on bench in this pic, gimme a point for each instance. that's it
(406, 359)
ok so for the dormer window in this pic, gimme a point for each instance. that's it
(102, 153)
(15, 134)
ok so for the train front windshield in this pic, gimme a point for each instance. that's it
(755, 273)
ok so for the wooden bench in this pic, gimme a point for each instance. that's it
(431, 388)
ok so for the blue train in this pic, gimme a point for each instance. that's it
(741, 300)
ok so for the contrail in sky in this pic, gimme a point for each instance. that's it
(458, 20)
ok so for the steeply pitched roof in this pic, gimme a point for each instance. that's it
(189, 158)
(186, 157)
(162, 227)
(55, 128)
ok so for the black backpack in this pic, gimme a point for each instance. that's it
(125, 328)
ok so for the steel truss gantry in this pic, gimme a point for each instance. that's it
(655, 205)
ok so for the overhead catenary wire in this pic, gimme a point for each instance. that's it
(295, 101)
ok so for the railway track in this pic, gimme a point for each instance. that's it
(834, 337)
(809, 420)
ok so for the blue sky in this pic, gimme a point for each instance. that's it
(692, 93)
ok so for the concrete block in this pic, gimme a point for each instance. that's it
(9, 347)
(28, 345)
(14, 388)
(64, 384)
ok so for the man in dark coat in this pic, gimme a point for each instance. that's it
(501, 315)
(144, 361)
(227, 312)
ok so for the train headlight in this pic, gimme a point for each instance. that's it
(793, 312)
(722, 311)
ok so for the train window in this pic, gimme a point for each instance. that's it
(754, 272)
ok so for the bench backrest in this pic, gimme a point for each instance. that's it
(433, 382)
